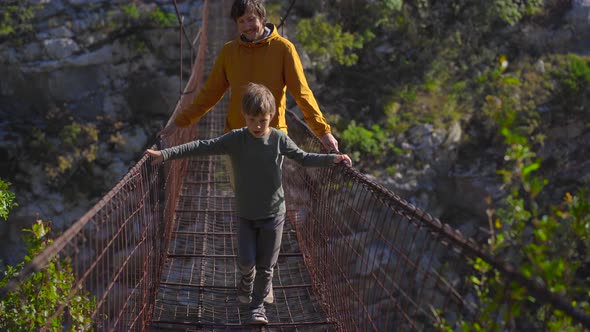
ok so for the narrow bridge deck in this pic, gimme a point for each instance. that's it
(198, 287)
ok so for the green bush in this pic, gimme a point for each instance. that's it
(362, 142)
(547, 244)
(325, 42)
(6, 199)
(512, 12)
(64, 145)
(31, 305)
(574, 76)
(132, 11)
(153, 17)
(78, 145)
(15, 17)
(163, 18)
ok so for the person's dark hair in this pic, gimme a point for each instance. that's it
(240, 6)
(258, 100)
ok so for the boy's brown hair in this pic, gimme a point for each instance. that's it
(240, 6)
(258, 100)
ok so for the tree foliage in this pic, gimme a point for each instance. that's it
(32, 304)
(16, 17)
(573, 76)
(326, 42)
(7, 199)
(511, 11)
(65, 145)
(546, 242)
(361, 141)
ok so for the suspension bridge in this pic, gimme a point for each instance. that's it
(158, 252)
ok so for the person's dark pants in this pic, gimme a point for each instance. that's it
(259, 242)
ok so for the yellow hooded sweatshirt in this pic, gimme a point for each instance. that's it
(271, 61)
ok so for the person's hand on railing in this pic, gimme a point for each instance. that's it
(343, 158)
(156, 155)
(330, 143)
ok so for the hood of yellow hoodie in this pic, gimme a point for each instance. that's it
(264, 41)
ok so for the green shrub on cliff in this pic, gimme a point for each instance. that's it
(15, 17)
(30, 306)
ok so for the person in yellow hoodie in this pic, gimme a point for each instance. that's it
(260, 55)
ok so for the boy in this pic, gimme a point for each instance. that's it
(256, 152)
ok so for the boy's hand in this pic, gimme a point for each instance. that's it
(156, 155)
(343, 158)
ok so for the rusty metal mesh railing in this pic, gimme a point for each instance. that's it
(375, 262)
(118, 248)
(378, 263)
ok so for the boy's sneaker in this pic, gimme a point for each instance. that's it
(258, 316)
(270, 297)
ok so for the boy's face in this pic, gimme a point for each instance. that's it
(251, 25)
(258, 125)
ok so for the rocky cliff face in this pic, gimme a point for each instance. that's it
(84, 88)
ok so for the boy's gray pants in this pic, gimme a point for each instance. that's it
(259, 242)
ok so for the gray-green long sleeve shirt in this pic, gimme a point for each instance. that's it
(257, 166)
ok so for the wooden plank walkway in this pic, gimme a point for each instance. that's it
(198, 287)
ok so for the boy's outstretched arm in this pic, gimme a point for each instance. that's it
(156, 155)
(343, 158)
